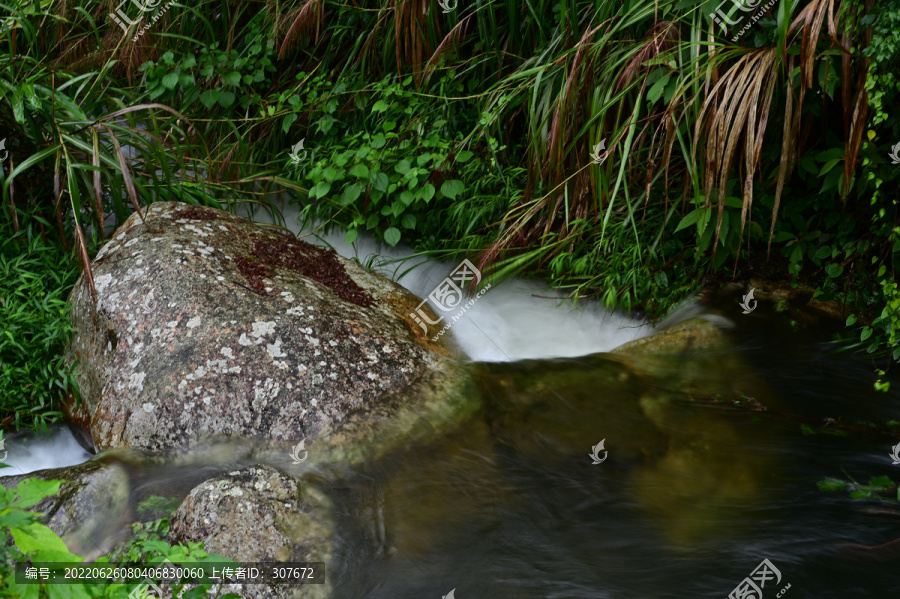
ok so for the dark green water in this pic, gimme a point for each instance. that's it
(686, 505)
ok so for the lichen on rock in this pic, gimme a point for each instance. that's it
(257, 514)
(181, 345)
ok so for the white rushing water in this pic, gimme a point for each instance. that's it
(515, 320)
(29, 452)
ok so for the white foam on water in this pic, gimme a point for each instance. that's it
(516, 320)
(28, 453)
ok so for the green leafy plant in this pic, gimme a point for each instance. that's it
(217, 78)
(877, 487)
(390, 171)
(34, 542)
(29, 536)
(35, 280)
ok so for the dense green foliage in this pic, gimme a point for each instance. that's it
(35, 279)
(881, 176)
(34, 542)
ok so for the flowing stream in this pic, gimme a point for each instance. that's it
(513, 511)
(691, 498)
(516, 320)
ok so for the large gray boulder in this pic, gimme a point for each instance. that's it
(206, 325)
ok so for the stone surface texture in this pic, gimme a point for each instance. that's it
(206, 324)
(258, 514)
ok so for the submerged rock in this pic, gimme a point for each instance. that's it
(91, 511)
(701, 333)
(700, 397)
(692, 357)
(657, 418)
(206, 324)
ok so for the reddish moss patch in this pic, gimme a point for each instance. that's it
(79, 419)
(310, 261)
(197, 213)
(254, 273)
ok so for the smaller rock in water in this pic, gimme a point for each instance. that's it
(257, 514)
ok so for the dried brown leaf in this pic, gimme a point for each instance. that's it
(453, 38)
(98, 194)
(85, 260)
(309, 17)
(57, 204)
(126, 175)
(785, 156)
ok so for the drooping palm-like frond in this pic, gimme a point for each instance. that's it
(726, 92)
(737, 109)
(650, 86)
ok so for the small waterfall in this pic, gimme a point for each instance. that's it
(29, 451)
(516, 320)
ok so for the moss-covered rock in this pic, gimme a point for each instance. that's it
(91, 512)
